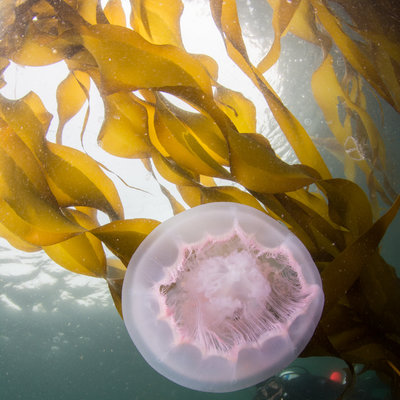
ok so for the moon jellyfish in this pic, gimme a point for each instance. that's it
(221, 297)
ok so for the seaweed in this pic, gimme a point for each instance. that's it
(50, 193)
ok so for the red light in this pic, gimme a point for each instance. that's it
(336, 376)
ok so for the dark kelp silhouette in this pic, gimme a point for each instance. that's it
(50, 193)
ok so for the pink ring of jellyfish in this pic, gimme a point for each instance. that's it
(221, 297)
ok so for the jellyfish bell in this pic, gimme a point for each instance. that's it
(221, 297)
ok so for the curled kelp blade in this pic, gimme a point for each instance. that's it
(229, 194)
(173, 172)
(125, 131)
(302, 20)
(180, 142)
(28, 118)
(362, 147)
(124, 236)
(115, 278)
(348, 206)
(79, 181)
(328, 239)
(16, 241)
(344, 270)
(71, 95)
(284, 12)
(353, 53)
(227, 21)
(114, 47)
(36, 36)
(104, 41)
(28, 207)
(75, 179)
(83, 253)
(115, 13)
(255, 165)
(158, 21)
(240, 110)
(203, 128)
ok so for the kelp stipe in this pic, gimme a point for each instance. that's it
(221, 297)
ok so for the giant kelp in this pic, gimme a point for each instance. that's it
(50, 193)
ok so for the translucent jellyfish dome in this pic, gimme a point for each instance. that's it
(221, 297)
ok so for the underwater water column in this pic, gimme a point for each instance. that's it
(306, 167)
(221, 297)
